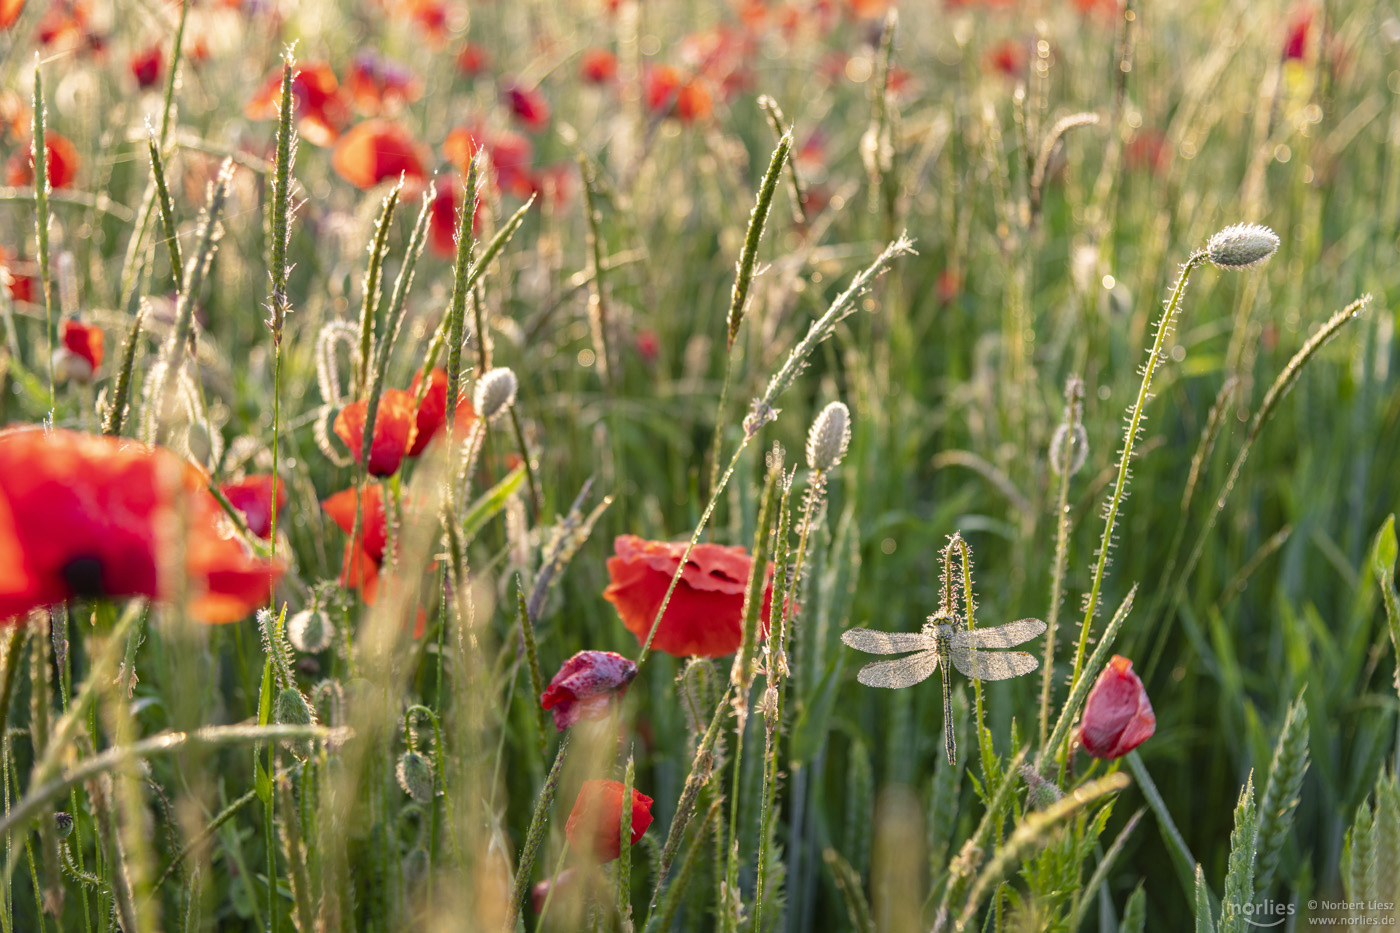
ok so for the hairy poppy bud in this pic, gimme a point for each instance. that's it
(291, 709)
(495, 392)
(1117, 716)
(63, 822)
(310, 631)
(595, 824)
(829, 437)
(586, 685)
(1241, 246)
(415, 774)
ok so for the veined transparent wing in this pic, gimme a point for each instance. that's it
(999, 636)
(873, 642)
(993, 665)
(902, 672)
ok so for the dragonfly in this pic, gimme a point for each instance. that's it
(943, 639)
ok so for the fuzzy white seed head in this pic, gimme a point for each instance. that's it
(310, 631)
(1068, 450)
(495, 392)
(829, 437)
(1241, 246)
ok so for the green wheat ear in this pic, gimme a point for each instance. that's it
(1280, 799)
(1239, 878)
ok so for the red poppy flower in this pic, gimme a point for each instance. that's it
(9, 12)
(65, 24)
(510, 156)
(1117, 715)
(670, 93)
(555, 183)
(378, 85)
(528, 105)
(147, 66)
(595, 824)
(62, 163)
(1148, 149)
(869, 9)
(320, 107)
(361, 568)
(81, 353)
(87, 516)
(430, 16)
(432, 413)
(1295, 43)
(648, 345)
(705, 615)
(1006, 58)
(442, 218)
(586, 685)
(597, 66)
(252, 496)
(376, 151)
(21, 286)
(393, 427)
(473, 60)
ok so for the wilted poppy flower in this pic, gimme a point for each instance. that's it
(595, 824)
(393, 427)
(375, 151)
(705, 615)
(364, 556)
(378, 85)
(597, 66)
(528, 105)
(319, 106)
(62, 162)
(432, 413)
(88, 516)
(252, 496)
(1117, 715)
(147, 66)
(586, 685)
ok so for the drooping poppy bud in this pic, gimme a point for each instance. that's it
(1117, 715)
(586, 685)
(595, 824)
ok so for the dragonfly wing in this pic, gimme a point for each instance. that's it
(902, 672)
(872, 642)
(1000, 636)
(993, 665)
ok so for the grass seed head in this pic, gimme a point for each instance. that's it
(495, 392)
(829, 437)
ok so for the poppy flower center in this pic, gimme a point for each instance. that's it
(83, 575)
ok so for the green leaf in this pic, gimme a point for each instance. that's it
(1134, 912)
(810, 731)
(1205, 923)
(490, 504)
(263, 782)
(1384, 553)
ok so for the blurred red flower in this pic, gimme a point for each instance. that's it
(1295, 43)
(20, 284)
(595, 824)
(378, 85)
(670, 93)
(432, 413)
(80, 354)
(375, 151)
(473, 60)
(147, 66)
(9, 12)
(393, 427)
(1148, 149)
(1117, 715)
(585, 686)
(1006, 58)
(597, 66)
(88, 516)
(318, 103)
(252, 496)
(62, 157)
(442, 217)
(510, 155)
(364, 556)
(705, 614)
(528, 105)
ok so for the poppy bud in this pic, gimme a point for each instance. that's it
(63, 822)
(829, 437)
(415, 774)
(1117, 716)
(495, 392)
(585, 686)
(291, 709)
(1241, 246)
(310, 631)
(595, 824)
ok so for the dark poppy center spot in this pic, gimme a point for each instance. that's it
(83, 575)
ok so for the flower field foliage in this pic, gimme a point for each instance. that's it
(445, 443)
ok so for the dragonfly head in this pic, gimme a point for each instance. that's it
(938, 623)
